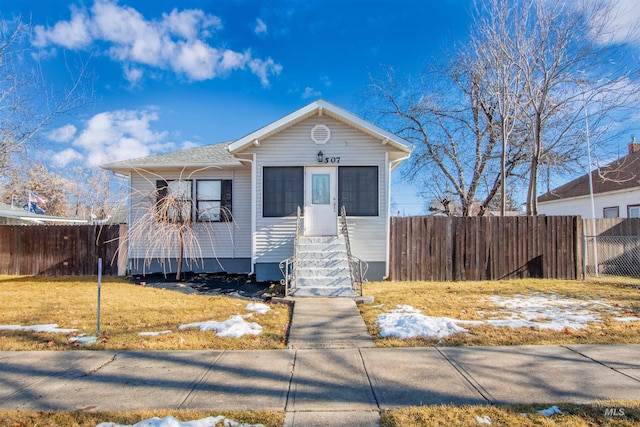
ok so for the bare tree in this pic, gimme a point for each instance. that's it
(27, 103)
(163, 218)
(453, 121)
(564, 56)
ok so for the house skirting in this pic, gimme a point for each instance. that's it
(210, 265)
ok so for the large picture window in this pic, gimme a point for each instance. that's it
(358, 190)
(282, 191)
(213, 200)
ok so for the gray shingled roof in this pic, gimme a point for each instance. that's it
(214, 154)
(622, 174)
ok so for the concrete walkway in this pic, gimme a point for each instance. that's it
(332, 385)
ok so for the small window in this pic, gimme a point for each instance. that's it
(611, 212)
(173, 200)
(282, 191)
(213, 200)
(633, 211)
(358, 190)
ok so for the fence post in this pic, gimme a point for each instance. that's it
(584, 256)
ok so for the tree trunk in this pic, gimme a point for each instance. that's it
(180, 255)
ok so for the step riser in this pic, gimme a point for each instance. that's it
(320, 240)
(324, 273)
(323, 282)
(323, 292)
(329, 256)
(322, 248)
(322, 263)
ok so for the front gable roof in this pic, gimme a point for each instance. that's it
(321, 107)
(622, 174)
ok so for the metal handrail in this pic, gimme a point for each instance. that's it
(357, 267)
(289, 266)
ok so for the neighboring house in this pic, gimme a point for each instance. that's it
(616, 191)
(319, 158)
(10, 215)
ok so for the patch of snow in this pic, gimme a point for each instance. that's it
(234, 327)
(173, 422)
(50, 328)
(258, 308)
(627, 319)
(153, 334)
(484, 420)
(545, 311)
(550, 411)
(407, 322)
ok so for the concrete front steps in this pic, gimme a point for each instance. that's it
(323, 268)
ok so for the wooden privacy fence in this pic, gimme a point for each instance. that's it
(59, 250)
(485, 248)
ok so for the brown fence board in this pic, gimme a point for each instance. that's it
(485, 248)
(58, 250)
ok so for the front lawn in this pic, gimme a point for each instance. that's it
(547, 311)
(126, 311)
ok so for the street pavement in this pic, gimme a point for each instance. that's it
(321, 379)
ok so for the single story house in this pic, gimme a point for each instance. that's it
(616, 191)
(244, 195)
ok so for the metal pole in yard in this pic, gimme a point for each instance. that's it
(99, 289)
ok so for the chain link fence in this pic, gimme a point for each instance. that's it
(611, 255)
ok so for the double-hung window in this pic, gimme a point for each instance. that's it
(213, 200)
(611, 212)
(174, 200)
(633, 211)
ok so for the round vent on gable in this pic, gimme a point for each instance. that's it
(320, 134)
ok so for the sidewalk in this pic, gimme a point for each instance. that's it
(318, 386)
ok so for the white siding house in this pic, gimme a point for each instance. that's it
(317, 152)
(616, 191)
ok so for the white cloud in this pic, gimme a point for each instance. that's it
(73, 34)
(189, 144)
(66, 156)
(119, 135)
(177, 42)
(624, 18)
(261, 27)
(310, 92)
(62, 134)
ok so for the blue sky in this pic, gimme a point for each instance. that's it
(171, 75)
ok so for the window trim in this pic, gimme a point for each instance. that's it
(611, 208)
(340, 202)
(628, 210)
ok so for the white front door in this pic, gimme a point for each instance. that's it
(321, 202)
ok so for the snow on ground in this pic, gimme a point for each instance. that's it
(234, 327)
(407, 322)
(153, 333)
(173, 422)
(51, 328)
(258, 308)
(544, 311)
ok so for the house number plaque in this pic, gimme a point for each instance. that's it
(326, 159)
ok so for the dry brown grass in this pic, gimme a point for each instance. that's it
(467, 300)
(126, 310)
(627, 413)
(86, 419)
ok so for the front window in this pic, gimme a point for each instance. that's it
(282, 191)
(633, 211)
(173, 201)
(358, 190)
(611, 212)
(213, 200)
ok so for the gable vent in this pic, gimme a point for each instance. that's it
(320, 134)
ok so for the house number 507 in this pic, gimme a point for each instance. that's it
(332, 160)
